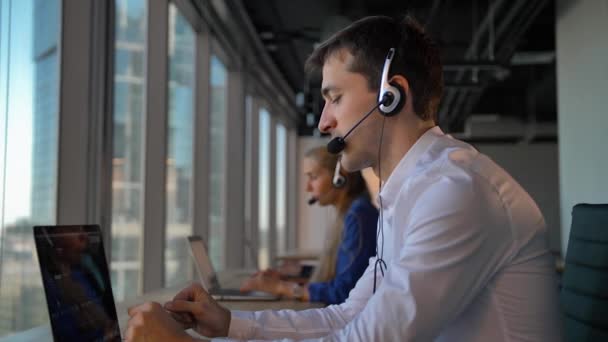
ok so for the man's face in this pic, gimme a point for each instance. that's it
(347, 99)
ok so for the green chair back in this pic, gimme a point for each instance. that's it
(584, 294)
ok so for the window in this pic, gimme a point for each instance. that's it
(29, 119)
(264, 190)
(217, 152)
(179, 185)
(249, 216)
(128, 158)
(281, 188)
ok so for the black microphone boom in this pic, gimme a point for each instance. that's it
(312, 200)
(337, 144)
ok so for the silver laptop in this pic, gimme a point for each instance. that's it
(209, 279)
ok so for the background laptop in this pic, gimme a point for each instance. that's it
(77, 283)
(209, 280)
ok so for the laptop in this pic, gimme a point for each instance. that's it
(210, 282)
(77, 283)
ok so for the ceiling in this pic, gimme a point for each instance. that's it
(499, 56)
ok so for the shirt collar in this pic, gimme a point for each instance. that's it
(392, 186)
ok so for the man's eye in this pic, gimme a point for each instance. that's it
(336, 100)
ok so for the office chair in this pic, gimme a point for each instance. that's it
(584, 294)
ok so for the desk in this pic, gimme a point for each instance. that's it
(43, 333)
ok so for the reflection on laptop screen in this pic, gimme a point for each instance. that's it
(77, 283)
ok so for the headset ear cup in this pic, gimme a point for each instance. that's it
(402, 99)
(339, 181)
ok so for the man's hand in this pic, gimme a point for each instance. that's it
(150, 322)
(194, 308)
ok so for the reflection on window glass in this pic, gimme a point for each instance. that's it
(128, 158)
(29, 93)
(281, 188)
(179, 148)
(217, 151)
(264, 190)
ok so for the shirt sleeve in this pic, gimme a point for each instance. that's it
(357, 246)
(306, 324)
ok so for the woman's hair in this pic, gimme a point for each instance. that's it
(355, 187)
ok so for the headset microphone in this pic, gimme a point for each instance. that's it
(337, 144)
(391, 99)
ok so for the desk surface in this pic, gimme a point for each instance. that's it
(43, 333)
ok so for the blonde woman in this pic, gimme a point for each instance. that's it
(351, 241)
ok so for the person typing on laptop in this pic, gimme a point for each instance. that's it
(351, 240)
(462, 251)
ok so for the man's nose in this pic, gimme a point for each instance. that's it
(328, 122)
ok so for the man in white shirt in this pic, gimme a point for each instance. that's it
(462, 252)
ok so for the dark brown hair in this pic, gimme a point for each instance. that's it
(368, 40)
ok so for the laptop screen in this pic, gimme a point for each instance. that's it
(77, 283)
(203, 263)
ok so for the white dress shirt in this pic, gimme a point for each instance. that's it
(467, 260)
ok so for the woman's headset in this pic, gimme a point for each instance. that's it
(339, 180)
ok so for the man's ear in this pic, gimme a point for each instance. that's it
(403, 83)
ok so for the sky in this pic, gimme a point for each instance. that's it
(16, 122)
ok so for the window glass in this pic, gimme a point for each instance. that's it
(128, 150)
(180, 153)
(29, 118)
(264, 190)
(217, 152)
(281, 188)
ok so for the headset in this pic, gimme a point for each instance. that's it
(391, 96)
(339, 180)
(391, 99)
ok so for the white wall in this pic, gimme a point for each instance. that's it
(535, 167)
(582, 89)
(313, 221)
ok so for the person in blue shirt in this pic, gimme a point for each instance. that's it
(351, 240)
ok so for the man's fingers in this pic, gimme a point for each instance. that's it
(184, 319)
(190, 292)
(132, 311)
(147, 306)
(184, 306)
(134, 327)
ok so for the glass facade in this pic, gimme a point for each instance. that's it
(180, 139)
(29, 97)
(128, 146)
(264, 190)
(30, 50)
(281, 188)
(217, 166)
